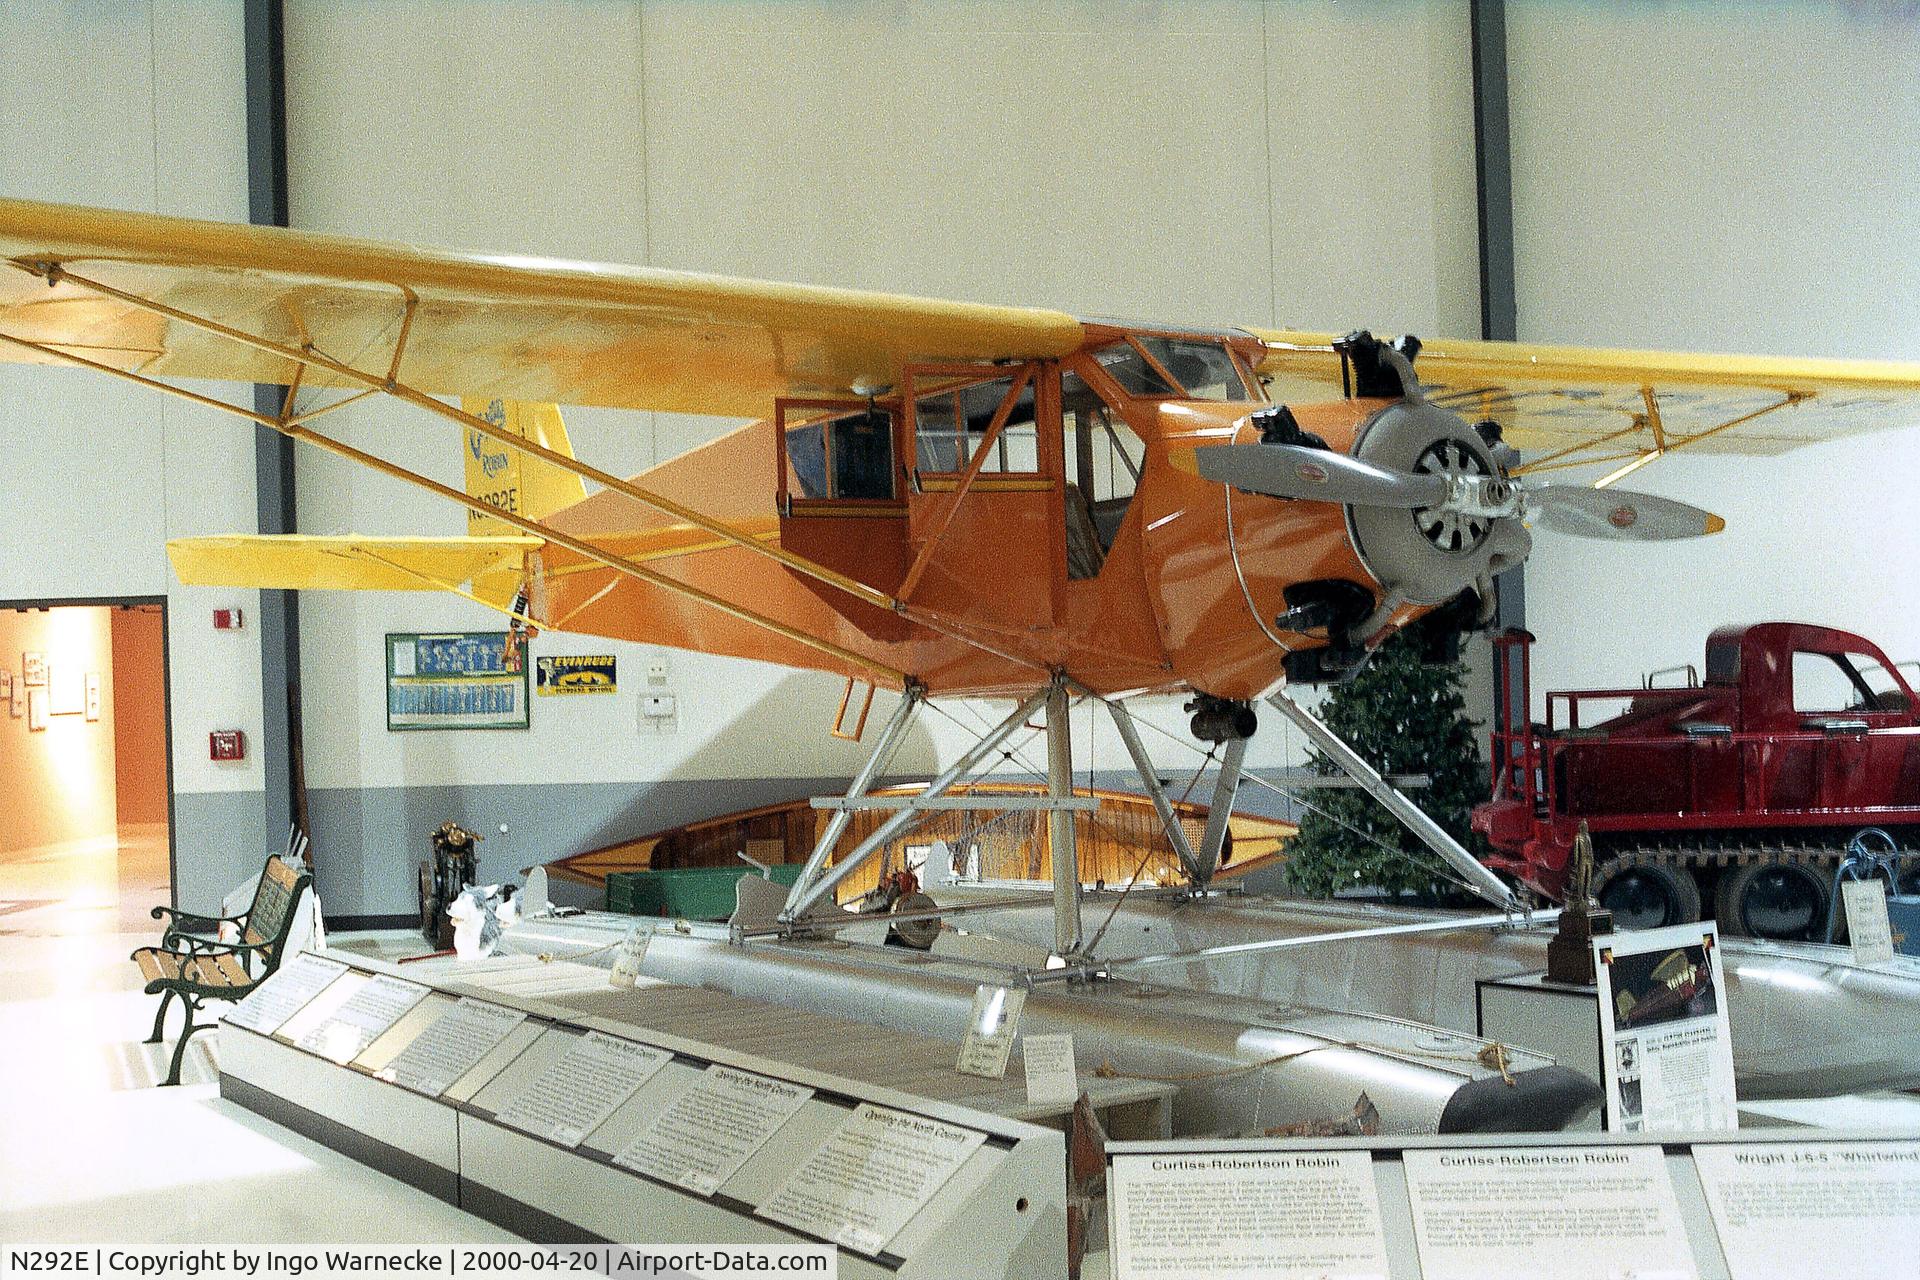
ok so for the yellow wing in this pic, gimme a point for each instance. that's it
(1577, 406)
(127, 288)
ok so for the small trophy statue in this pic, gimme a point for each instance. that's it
(1570, 953)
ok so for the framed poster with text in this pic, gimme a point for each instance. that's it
(454, 680)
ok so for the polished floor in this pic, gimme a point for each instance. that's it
(89, 1149)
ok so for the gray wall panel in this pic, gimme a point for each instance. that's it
(220, 838)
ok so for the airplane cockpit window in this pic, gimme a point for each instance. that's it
(1127, 365)
(1104, 458)
(848, 456)
(1203, 369)
(948, 427)
(1181, 368)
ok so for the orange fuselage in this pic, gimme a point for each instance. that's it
(1184, 596)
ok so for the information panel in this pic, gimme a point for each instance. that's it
(1267, 1215)
(992, 1024)
(713, 1128)
(1790, 1210)
(451, 1046)
(1052, 1079)
(871, 1177)
(296, 982)
(1570, 1213)
(364, 1018)
(1868, 930)
(586, 1084)
(1666, 1053)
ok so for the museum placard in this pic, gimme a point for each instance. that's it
(992, 1024)
(1560, 1213)
(1792, 1210)
(1869, 931)
(871, 1176)
(364, 1018)
(1052, 1077)
(1252, 1215)
(714, 1127)
(1666, 1051)
(581, 1088)
(451, 1046)
(288, 991)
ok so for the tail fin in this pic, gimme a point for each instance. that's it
(506, 478)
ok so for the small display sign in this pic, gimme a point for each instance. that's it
(574, 673)
(462, 680)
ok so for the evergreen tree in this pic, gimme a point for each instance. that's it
(1403, 716)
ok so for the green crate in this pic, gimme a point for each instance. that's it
(689, 893)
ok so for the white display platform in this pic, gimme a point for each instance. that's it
(970, 1193)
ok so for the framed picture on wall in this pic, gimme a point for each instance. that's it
(67, 690)
(462, 680)
(36, 710)
(6, 684)
(93, 695)
(18, 702)
(35, 665)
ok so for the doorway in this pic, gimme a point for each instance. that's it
(86, 818)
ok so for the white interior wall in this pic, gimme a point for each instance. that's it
(135, 106)
(1194, 163)
(1724, 178)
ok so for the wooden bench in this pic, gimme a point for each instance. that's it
(192, 963)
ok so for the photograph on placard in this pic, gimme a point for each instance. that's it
(1663, 986)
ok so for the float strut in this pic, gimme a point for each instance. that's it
(802, 898)
(1478, 878)
(1225, 788)
(837, 824)
(1143, 765)
(1063, 850)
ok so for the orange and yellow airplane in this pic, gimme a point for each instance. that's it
(962, 499)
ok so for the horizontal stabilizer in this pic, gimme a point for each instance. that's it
(302, 562)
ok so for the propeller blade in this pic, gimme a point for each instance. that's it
(1618, 514)
(1294, 471)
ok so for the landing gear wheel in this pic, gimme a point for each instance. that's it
(1647, 897)
(918, 934)
(1786, 901)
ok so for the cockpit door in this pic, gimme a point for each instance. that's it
(983, 495)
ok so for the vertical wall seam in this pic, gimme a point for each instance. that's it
(160, 408)
(1266, 110)
(646, 187)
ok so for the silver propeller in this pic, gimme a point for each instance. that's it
(1294, 471)
(1620, 514)
(1451, 495)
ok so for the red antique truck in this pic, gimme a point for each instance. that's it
(1735, 794)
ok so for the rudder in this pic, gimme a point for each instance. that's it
(504, 477)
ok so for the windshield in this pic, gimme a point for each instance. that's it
(1181, 368)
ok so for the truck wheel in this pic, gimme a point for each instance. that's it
(1781, 900)
(1647, 897)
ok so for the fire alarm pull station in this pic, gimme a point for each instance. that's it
(226, 744)
(227, 620)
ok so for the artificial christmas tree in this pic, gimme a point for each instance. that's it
(1405, 716)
